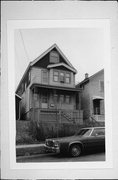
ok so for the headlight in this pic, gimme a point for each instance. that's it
(56, 143)
(46, 142)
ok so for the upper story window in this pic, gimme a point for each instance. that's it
(67, 78)
(101, 86)
(62, 77)
(56, 76)
(54, 57)
(44, 76)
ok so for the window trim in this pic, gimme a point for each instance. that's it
(59, 76)
(68, 77)
(55, 75)
(69, 99)
(56, 53)
(97, 129)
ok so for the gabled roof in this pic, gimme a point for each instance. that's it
(41, 56)
(47, 51)
(62, 64)
(86, 80)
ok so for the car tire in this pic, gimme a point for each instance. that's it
(75, 150)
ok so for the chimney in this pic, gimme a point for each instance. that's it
(86, 75)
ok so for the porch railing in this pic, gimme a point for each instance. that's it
(99, 117)
(53, 115)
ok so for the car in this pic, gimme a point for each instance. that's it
(90, 138)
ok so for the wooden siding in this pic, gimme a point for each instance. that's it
(36, 77)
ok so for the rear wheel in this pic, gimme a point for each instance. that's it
(75, 150)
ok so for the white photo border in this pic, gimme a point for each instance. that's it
(12, 25)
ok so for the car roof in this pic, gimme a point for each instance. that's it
(92, 127)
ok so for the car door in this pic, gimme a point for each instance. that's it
(97, 139)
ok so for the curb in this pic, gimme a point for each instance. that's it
(32, 156)
(28, 150)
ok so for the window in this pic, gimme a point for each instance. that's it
(25, 85)
(56, 76)
(101, 86)
(98, 132)
(29, 77)
(44, 98)
(62, 98)
(45, 76)
(67, 99)
(54, 57)
(61, 77)
(96, 106)
(67, 79)
(55, 98)
(22, 88)
(84, 132)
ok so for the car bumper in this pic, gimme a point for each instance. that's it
(52, 149)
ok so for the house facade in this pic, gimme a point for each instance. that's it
(47, 90)
(92, 96)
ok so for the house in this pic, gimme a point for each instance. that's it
(92, 96)
(47, 90)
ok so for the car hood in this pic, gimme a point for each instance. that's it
(66, 139)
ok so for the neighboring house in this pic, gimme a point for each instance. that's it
(47, 89)
(92, 96)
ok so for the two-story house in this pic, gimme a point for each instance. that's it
(92, 96)
(47, 89)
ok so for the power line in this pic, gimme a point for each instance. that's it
(24, 44)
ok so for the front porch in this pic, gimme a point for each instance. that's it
(58, 116)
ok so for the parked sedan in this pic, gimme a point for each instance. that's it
(90, 138)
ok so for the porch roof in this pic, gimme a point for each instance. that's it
(55, 87)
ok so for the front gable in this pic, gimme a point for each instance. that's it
(52, 56)
(47, 60)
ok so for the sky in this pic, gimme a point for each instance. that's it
(84, 48)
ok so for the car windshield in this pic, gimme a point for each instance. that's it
(84, 132)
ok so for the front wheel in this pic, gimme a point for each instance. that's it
(75, 150)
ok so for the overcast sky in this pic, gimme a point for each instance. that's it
(84, 48)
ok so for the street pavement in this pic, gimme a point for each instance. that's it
(52, 157)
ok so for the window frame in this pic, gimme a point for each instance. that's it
(62, 81)
(52, 54)
(98, 130)
(55, 75)
(65, 73)
(68, 77)
(66, 96)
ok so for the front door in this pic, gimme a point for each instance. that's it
(44, 100)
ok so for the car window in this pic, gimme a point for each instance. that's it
(98, 132)
(84, 132)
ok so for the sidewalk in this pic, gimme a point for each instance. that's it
(29, 145)
(30, 149)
